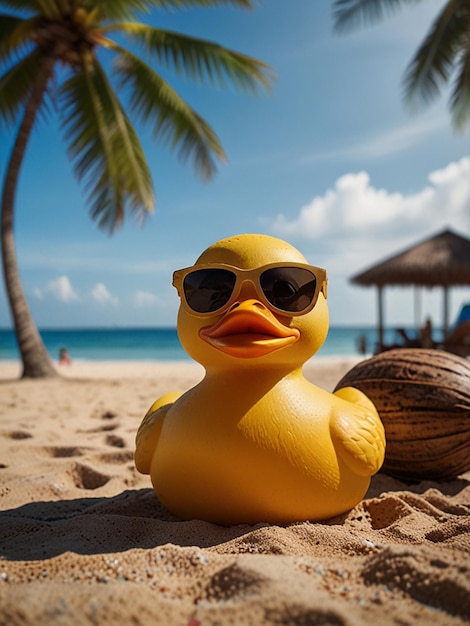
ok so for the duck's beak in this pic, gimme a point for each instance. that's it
(248, 331)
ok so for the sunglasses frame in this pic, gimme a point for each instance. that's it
(252, 276)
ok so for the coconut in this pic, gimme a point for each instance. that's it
(423, 399)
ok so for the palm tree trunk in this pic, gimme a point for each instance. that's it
(35, 358)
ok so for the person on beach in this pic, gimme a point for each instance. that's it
(426, 334)
(64, 358)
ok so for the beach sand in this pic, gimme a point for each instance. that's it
(84, 539)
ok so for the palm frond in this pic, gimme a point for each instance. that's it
(117, 10)
(15, 35)
(460, 96)
(16, 85)
(112, 9)
(348, 15)
(105, 149)
(174, 121)
(179, 4)
(48, 8)
(199, 59)
(434, 60)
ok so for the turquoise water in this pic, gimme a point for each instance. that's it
(161, 344)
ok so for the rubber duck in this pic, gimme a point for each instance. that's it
(255, 441)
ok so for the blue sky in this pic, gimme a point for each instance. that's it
(331, 160)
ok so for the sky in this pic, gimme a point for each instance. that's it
(331, 160)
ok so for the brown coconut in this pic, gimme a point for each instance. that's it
(423, 399)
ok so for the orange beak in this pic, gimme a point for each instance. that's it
(248, 331)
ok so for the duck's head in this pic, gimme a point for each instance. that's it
(251, 299)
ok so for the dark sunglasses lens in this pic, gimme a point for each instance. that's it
(208, 290)
(289, 289)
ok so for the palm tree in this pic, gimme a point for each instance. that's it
(442, 57)
(52, 52)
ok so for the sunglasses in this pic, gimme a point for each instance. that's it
(284, 288)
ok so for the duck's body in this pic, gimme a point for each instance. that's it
(255, 441)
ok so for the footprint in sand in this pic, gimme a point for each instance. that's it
(85, 477)
(232, 581)
(60, 452)
(105, 428)
(108, 415)
(116, 457)
(116, 441)
(17, 434)
(386, 511)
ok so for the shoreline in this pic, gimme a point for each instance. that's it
(324, 371)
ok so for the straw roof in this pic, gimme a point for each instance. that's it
(443, 260)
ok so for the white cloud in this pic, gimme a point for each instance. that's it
(144, 298)
(101, 295)
(62, 289)
(354, 208)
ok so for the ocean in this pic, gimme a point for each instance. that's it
(161, 344)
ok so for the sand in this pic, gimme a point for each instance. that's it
(84, 540)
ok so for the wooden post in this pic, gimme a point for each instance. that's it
(445, 314)
(418, 313)
(381, 317)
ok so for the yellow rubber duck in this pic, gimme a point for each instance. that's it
(255, 441)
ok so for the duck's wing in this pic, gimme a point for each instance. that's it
(357, 432)
(149, 431)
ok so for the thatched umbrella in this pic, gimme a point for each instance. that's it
(441, 261)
